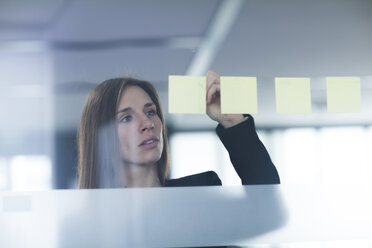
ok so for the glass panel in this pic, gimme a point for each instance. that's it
(240, 215)
(30, 173)
(3, 174)
(207, 154)
(343, 153)
(78, 111)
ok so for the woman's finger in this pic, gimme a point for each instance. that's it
(213, 90)
(212, 78)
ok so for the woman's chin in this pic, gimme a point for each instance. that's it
(150, 161)
(145, 161)
(150, 158)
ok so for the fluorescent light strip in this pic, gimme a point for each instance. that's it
(219, 29)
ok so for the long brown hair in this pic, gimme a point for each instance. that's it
(98, 145)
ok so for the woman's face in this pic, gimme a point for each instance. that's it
(139, 127)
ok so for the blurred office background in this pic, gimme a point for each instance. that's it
(53, 53)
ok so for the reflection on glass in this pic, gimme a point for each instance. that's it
(53, 52)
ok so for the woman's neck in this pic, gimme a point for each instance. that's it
(141, 176)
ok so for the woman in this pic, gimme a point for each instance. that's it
(123, 142)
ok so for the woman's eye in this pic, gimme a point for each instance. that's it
(151, 113)
(126, 118)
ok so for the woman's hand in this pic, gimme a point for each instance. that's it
(214, 103)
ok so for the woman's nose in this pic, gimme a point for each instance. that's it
(147, 124)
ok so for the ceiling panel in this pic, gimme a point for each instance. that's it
(28, 20)
(20, 14)
(153, 64)
(299, 38)
(105, 20)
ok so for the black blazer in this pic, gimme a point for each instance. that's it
(247, 154)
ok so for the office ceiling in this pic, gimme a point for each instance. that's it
(52, 53)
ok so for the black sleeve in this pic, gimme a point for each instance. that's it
(208, 178)
(247, 153)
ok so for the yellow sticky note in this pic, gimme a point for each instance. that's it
(187, 95)
(238, 95)
(293, 95)
(343, 95)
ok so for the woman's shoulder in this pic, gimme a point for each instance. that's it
(208, 178)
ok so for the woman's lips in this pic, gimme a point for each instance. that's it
(150, 142)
